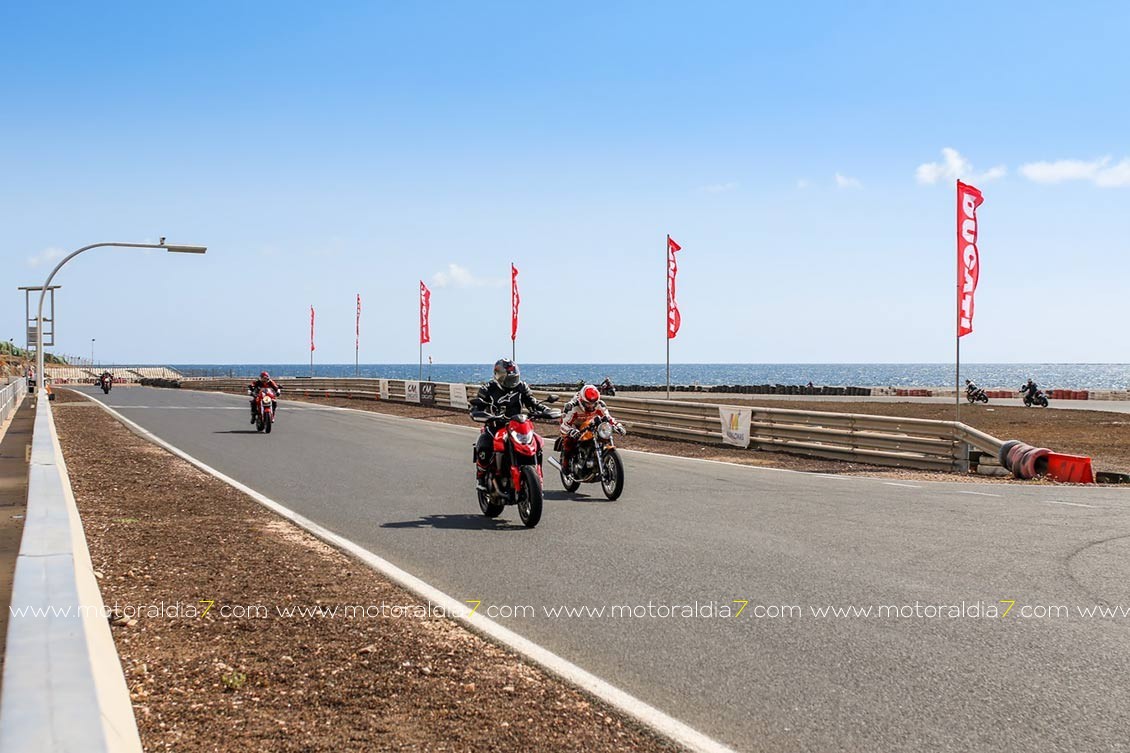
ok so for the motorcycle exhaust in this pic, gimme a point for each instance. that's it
(553, 461)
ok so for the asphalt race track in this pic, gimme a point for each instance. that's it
(689, 531)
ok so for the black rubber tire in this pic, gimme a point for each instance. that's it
(1015, 456)
(259, 423)
(984, 398)
(569, 487)
(267, 423)
(616, 472)
(529, 507)
(1020, 463)
(1002, 456)
(1043, 401)
(490, 508)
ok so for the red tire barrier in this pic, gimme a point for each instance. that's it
(1035, 463)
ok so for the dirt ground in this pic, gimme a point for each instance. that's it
(163, 534)
(1103, 436)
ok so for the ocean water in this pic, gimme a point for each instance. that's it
(1072, 376)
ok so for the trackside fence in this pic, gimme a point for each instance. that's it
(877, 440)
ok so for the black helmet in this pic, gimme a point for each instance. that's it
(506, 373)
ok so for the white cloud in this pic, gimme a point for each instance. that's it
(46, 256)
(802, 183)
(844, 181)
(954, 166)
(1099, 171)
(456, 276)
(719, 187)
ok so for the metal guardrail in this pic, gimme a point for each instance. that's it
(878, 440)
(63, 688)
(11, 396)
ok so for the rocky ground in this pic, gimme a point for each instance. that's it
(162, 532)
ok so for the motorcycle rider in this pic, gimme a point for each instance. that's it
(607, 387)
(1029, 390)
(584, 405)
(263, 382)
(105, 377)
(505, 393)
(970, 387)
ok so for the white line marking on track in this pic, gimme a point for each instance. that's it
(905, 486)
(647, 714)
(1073, 504)
(979, 494)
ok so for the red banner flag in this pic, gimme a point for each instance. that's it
(673, 318)
(357, 326)
(425, 312)
(968, 258)
(311, 329)
(515, 299)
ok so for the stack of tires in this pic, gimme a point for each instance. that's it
(1024, 460)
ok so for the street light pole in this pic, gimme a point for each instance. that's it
(40, 375)
(92, 352)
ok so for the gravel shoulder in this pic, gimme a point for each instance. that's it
(168, 541)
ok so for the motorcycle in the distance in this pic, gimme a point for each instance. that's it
(595, 459)
(264, 409)
(1030, 399)
(976, 395)
(515, 473)
(607, 388)
(106, 382)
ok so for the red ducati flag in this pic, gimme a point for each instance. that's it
(311, 329)
(425, 311)
(673, 318)
(357, 326)
(968, 258)
(515, 299)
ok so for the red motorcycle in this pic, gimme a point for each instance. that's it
(515, 475)
(265, 409)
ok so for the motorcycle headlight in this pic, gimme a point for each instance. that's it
(604, 431)
(522, 438)
(266, 399)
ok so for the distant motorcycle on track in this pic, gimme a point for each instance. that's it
(594, 460)
(265, 410)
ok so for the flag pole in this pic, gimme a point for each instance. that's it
(667, 325)
(957, 323)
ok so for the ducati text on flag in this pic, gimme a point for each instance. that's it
(425, 312)
(968, 258)
(673, 318)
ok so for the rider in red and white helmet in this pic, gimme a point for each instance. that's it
(584, 405)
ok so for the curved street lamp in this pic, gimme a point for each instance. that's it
(172, 248)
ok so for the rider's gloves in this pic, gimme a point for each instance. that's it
(620, 429)
(574, 432)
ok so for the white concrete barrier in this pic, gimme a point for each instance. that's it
(63, 690)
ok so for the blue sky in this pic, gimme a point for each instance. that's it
(324, 150)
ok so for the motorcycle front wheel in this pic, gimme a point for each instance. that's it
(489, 507)
(259, 424)
(267, 422)
(612, 482)
(530, 499)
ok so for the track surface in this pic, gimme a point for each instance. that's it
(688, 530)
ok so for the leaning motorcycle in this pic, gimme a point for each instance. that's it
(976, 396)
(594, 459)
(515, 474)
(1039, 398)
